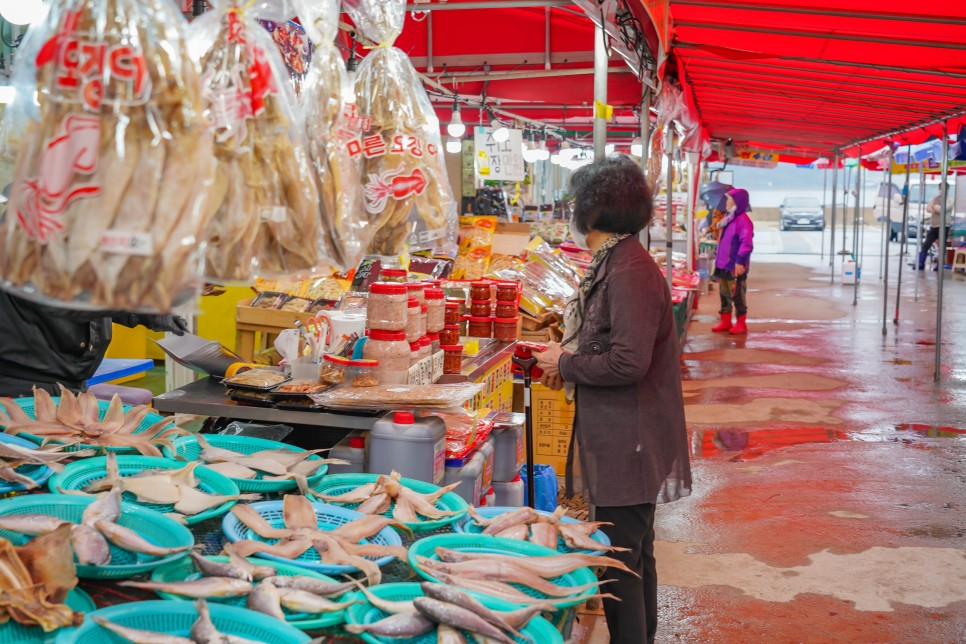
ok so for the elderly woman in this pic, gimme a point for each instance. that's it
(620, 356)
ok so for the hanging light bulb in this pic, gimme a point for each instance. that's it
(500, 133)
(555, 159)
(542, 152)
(456, 128)
(637, 148)
(22, 12)
(566, 152)
(454, 146)
(609, 149)
(530, 152)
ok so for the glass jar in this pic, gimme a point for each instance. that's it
(506, 292)
(386, 310)
(423, 319)
(435, 309)
(396, 275)
(418, 291)
(333, 369)
(480, 327)
(433, 343)
(413, 318)
(425, 347)
(450, 335)
(506, 309)
(481, 308)
(392, 351)
(452, 359)
(505, 329)
(414, 353)
(480, 291)
(363, 373)
(452, 313)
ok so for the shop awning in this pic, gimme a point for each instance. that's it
(819, 76)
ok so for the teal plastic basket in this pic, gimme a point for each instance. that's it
(79, 475)
(184, 570)
(176, 618)
(500, 545)
(188, 449)
(342, 483)
(39, 473)
(329, 517)
(13, 633)
(27, 404)
(150, 525)
(468, 525)
(538, 630)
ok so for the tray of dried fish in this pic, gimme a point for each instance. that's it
(316, 536)
(420, 506)
(305, 599)
(427, 613)
(517, 571)
(190, 493)
(552, 530)
(152, 621)
(299, 389)
(111, 539)
(300, 404)
(23, 466)
(84, 422)
(12, 632)
(253, 398)
(256, 380)
(399, 396)
(253, 464)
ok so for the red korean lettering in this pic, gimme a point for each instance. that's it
(431, 149)
(354, 147)
(374, 146)
(414, 148)
(128, 64)
(398, 144)
(67, 76)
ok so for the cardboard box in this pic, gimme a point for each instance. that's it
(511, 239)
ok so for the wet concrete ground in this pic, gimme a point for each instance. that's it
(829, 499)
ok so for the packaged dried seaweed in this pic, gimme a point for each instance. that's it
(108, 204)
(332, 124)
(267, 220)
(406, 187)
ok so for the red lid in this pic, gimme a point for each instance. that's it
(422, 308)
(433, 337)
(415, 286)
(387, 336)
(414, 346)
(452, 348)
(435, 283)
(414, 303)
(363, 363)
(450, 304)
(435, 293)
(506, 320)
(359, 442)
(481, 301)
(513, 285)
(394, 272)
(480, 284)
(472, 319)
(387, 288)
(452, 327)
(403, 418)
(339, 360)
(425, 341)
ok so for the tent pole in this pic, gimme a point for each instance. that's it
(646, 151)
(855, 229)
(885, 231)
(888, 224)
(669, 219)
(904, 247)
(845, 208)
(922, 205)
(600, 92)
(689, 213)
(831, 250)
(821, 248)
(944, 195)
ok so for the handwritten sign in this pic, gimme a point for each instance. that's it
(427, 371)
(499, 161)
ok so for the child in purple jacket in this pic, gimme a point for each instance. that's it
(731, 263)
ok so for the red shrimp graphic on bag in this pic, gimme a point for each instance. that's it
(72, 152)
(390, 184)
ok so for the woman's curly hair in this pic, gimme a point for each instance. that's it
(611, 195)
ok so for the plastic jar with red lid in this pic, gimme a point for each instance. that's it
(397, 275)
(506, 292)
(480, 291)
(481, 308)
(452, 358)
(418, 291)
(433, 343)
(413, 318)
(506, 309)
(363, 373)
(505, 329)
(435, 309)
(391, 349)
(425, 347)
(414, 353)
(479, 327)
(450, 335)
(452, 313)
(387, 306)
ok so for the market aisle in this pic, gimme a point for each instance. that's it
(829, 470)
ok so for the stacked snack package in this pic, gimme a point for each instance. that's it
(108, 203)
(268, 220)
(406, 187)
(549, 281)
(476, 247)
(332, 124)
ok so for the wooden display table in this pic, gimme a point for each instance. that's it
(250, 323)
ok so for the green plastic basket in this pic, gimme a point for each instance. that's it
(468, 525)
(27, 404)
(188, 449)
(39, 473)
(176, 618)
(341, 483)
(538, 630)
(79, 475)
(500, 545)
(151, 525)
(184, 570)
(13, 633)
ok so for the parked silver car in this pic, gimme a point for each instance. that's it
(801, 212)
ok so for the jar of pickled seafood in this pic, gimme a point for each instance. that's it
(505, 329)
(480, 327)
(435, 309)
(452, 358)
(413, 319)
(387, 307)
(397, 275)
(392, 351)
(418, 291)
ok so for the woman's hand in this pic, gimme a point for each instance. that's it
(739, 270)
(554, 383)
(549, 360)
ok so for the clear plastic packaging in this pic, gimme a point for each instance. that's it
(406, 187)
(387, 307)
(399, 396)
(267, 219)
(333, 370)
(364, 373)
(257, 379)
(392, 351)
(108, 207)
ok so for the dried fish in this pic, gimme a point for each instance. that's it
(312, 585)
(34, 580)
(196, 588)
(301, 601)
(233, 470)
(399, 625)
(459, 617)
(266, 599)
(30, 524)
(90, 546)
(385, 605)
(459, 598)
(128, 539)
(138, 636)
(544, 534)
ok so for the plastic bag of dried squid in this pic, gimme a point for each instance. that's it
(332, 123)
(108, 203)
(406, 186)
(267, 221)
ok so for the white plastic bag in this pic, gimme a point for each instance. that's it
(108, 203)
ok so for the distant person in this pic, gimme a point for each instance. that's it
(935, 211)
(731, 263)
